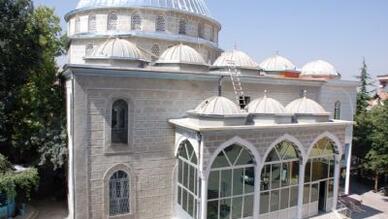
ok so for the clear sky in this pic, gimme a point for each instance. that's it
(339, 31)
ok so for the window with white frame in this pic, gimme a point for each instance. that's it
(279, 178)
(89, 50)
(77, 25)
(182, 27)
(337, 110)
(119, 192)
(136, 22)
(319, 168)
(201, 30)
(160, 24)
(92, 23)
(112, 21)
(119, 122)
(231, 184)
(188, 188)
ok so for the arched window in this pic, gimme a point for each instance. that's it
(182, 27)
(188, 190)
(89, 50)
(337, 110)
(231, 184)
(92, 23)
(155, 50)
(319, 177)
(112, 21)
(77, 25)
(119, 191)
(160, 24)
(120, 122)
(136, 22)
(213, 34)
(279, 179)
(201, 28)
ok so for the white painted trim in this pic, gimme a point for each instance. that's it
(193, 142)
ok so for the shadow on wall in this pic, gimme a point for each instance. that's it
(367, 212)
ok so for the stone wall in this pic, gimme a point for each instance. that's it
(150, 156)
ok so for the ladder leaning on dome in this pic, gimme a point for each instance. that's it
(236, 82)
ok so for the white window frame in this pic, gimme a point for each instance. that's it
(160, 23)
(112, 21)
(136, 21)
(92, 23)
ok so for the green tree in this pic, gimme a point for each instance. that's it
(362, 127)
(32, 117)
(376, 158)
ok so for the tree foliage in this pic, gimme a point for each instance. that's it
(32, 127)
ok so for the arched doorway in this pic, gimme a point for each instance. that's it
(319, 178)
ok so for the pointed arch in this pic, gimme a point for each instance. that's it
(286, 137)
(337, 143)
(235, 140)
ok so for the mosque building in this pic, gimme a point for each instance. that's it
(163, 123)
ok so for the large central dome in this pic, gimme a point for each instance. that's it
(191, 6)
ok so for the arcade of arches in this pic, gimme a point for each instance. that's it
(232, 180)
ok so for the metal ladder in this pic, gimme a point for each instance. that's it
(236, 82)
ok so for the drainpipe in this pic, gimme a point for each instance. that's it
(220, 85)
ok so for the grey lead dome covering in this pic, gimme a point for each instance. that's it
(191, 6)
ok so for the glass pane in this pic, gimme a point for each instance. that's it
(238, 177)
(185, 174)
(282, 148)
(237, 208)
(213, 187)
(212, 210)
(225, 208)
(220, 161)
(182, 151)
(307, 171)
(180, 169)
(275, 180)
(194, 159)
(284, 198)
(331, 168)
(330, 189)
(232, 153)
(191, 205)
(179, 195)
(294, 167)
(264, 202)
(248, 206)
(274, 200)
(306, 194)
(294, 196)
(184, 199)
(314, 192)
(265, 177)
(329, 149)
(285, 174)
(249, 179)
(290, 153)
(190, 149)
(272, 156)
(226, 183)
(192, 180)
(245, 158)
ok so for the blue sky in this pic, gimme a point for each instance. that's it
(339, 31)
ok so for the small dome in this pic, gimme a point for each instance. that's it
(277, 63)
(181, 54)
(305, 105)
(217, 106)
(318, 69)
(238, 58)
(265, 105)
(116, 48)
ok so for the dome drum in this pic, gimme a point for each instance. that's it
(271, 118)
(311, 118)
(217, 120)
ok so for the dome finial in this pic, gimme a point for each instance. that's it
(265, 93)
(305, 93)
